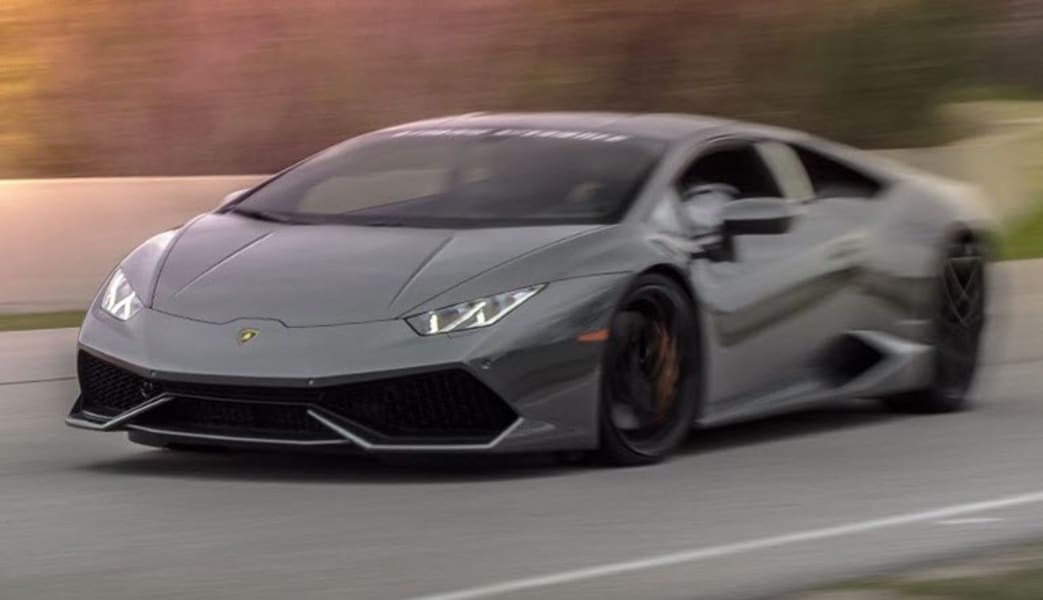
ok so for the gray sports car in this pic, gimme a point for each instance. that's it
(541, 282)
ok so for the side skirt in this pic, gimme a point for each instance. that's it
(861, 364)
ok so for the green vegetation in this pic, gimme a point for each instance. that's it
(1024, 238)
(1024, 584)
(884, 75)
(85, 89)
(1015, 574)
(50, 320)
(1019, 585)
(986, 93)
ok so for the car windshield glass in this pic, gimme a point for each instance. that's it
(463, 177)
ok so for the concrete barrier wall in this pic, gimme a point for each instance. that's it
(60, 237)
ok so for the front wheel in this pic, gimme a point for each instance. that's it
(649, 380)
(959, 319)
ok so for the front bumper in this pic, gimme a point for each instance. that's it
(525, 384)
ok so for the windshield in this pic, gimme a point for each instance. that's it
(461, 178)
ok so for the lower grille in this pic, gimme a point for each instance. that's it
(222, 417)
(442, 407)
(107, 389)
(445, 404)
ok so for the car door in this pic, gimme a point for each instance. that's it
(774, 303)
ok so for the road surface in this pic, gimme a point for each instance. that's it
(747, 511)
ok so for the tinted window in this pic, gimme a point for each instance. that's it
(718, 177)
(465, 178)
(833, 179)
(739, 167)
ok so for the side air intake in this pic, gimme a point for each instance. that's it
(848, 358)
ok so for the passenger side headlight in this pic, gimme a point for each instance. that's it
(481, 312)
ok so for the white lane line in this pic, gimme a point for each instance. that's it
(971, 521)
(710, 552)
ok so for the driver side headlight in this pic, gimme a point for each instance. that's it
(118, 298)
(481, 312)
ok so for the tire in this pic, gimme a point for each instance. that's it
(649, 381)
(959, 321)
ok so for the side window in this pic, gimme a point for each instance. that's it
(833, 179)
(721, 175)
(739, 167)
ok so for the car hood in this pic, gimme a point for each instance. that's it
(224, 267)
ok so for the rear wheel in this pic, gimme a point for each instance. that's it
(960, 319)
(648, 390)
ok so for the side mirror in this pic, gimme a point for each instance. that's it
(758, 216)
(232, 197)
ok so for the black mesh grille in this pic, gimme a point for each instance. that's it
(268, 420)
(108, 389)
(449, 406)
(243, 392)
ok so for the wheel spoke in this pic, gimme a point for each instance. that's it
(961, 317)
(645, 375)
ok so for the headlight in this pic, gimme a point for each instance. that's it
(118, 298)
(471, 315)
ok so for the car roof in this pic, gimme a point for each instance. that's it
(663, 126)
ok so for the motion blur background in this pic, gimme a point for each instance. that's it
(147, 87)
(241, 88)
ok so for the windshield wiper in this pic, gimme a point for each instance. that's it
(264, 215)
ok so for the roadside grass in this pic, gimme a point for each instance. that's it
(1024, 238)
(1019, 585)
(48, 320)
(1012, 574)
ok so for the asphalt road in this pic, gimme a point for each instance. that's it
(746, 511)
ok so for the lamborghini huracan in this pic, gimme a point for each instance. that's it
(564, 282)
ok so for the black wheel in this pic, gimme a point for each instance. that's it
(960, 319)
(649, 386)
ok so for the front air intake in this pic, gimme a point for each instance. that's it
(109, 390)
(448, 406)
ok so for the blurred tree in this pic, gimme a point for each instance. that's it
(1016, 46)
(882, 74)
(114, 87)
(20, 70)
